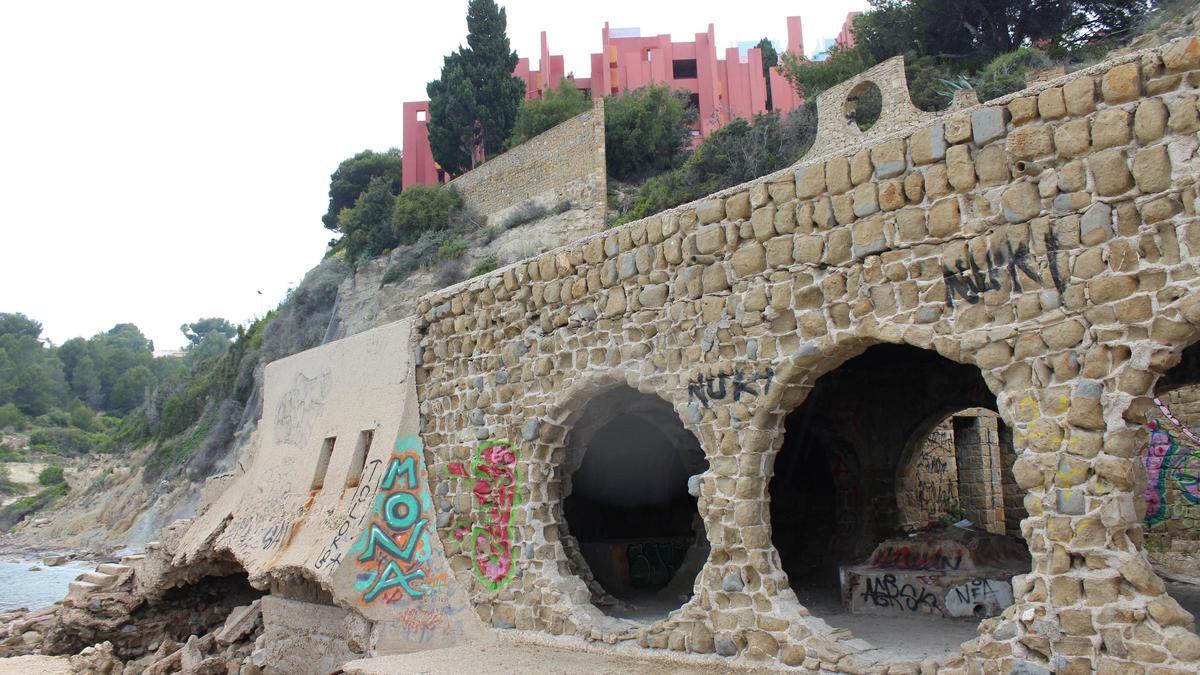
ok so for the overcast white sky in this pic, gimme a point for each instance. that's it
(164, 161)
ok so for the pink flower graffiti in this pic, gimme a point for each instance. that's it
(495, 469)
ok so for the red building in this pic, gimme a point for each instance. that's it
(721, 88)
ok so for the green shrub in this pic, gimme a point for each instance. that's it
(1007, 72)
(737, 152)
(537, 115)
(645, 132)
(63, 441)
(11, 417)
(531, 210)
(488, 264)
(423, 208)
(452, 249)
(13, 513)
(51, 475)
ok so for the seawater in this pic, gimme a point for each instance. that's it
(21, 587)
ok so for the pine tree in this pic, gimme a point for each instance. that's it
(770, 58)
(476, 86)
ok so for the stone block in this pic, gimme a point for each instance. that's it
(1051, 105)
(861, 167)
(960, 170)
(1122, 83)
(1110, 129)
(1072, 138)
(1184, 117)
(888, 158)
(737, 207)
(748, 259)
(710, 239)
(914, 187)
(1024, 109)
(1110, 171)
(891, 195)
(837, 175)
(910, 224)
(781, 191)
(1079, 95)
(1029, 142)
(991, 165)
(810, 181)
(928, 145)
(711, 211)
(866, 200)
(987, 124)
(944, 218)
(1152, 169)
(1021, 202)
(1182, 55)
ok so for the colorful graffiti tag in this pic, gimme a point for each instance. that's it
(1173, 457)
(395, 547)
(494, 468)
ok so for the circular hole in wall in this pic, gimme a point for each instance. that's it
(632, 525)
(863, 105)
(911, 584)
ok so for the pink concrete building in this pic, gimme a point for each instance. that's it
(721, 88)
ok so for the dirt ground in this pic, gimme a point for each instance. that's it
(527, 654)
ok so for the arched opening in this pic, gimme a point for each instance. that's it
(1171, 459)
(631, 522)
(892, 498)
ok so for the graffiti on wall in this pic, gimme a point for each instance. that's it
(886, 592)
(356, 513)
(706, 388)
(970, 281)
(917, 558)
(1172, 466)
(489, 536)
(394, 549)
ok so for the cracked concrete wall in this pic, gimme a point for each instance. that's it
(332, 511)
(1048, 238)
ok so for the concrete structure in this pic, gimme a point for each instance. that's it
(744, 374)
(722, 88)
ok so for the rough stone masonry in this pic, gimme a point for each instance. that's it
(1048, 239)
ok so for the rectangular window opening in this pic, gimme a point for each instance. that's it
(421, 115)
(683, 69)
(318, 480)
(359, 460)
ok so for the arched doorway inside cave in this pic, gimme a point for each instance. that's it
(859, 548)
(632, 527)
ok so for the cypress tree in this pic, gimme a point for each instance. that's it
(476, 85)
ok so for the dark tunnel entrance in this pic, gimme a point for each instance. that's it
(634, 530)
(854, 532)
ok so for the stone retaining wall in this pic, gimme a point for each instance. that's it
(565, 163)
(1048, 238)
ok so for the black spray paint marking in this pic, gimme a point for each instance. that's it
(970, 282)
(355, 515)
(706, 388)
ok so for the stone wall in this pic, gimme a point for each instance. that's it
(1048, 239)
(565, 163)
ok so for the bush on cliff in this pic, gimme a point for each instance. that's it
(645, 132)
(557, 106)
(423, 208)
(354, 175)
(737, 152)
